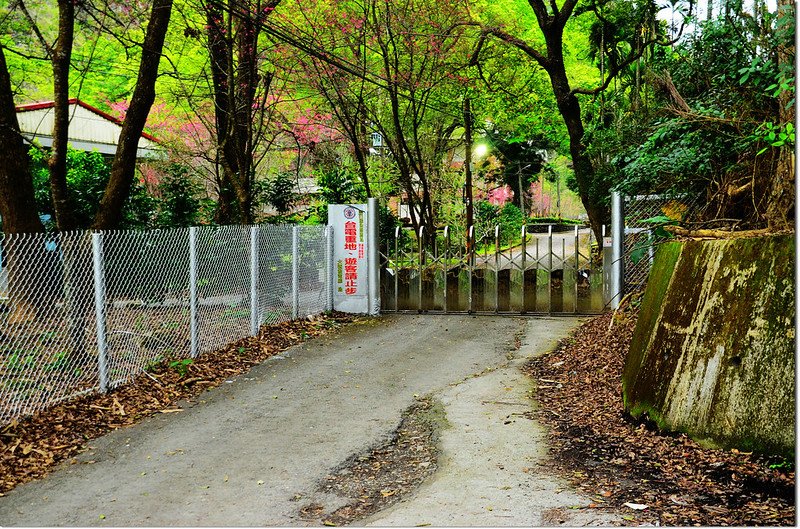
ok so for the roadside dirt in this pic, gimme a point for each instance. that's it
(387, 473)
(669, 479)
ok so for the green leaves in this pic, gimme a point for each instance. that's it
(657, 234)
(775, 135)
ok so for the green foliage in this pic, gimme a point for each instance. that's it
(338, 185)
(511, 220)
(179, 204)
(508, 217)
(181, 366)
(729, 80)
(87, 177)
(522, 158)
(277, 191)
(774, 135)
(657, 235)
(555, 220)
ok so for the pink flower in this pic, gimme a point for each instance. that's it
(500, 195)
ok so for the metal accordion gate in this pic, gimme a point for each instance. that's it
(542, 269)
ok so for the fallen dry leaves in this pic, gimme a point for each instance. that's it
(652, 477)
(31, 447)
(382, 476)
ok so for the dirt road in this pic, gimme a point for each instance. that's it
(252, 452)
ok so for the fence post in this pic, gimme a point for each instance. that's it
(373, 258)
(446, 263)
(550, 268)
(577, 262)
(254, 280)
(496, 268)
(100, 310)
(329, 268)
(421, 241)
(193, 334)
(295, 272)
(471, 259)
(524, 264)
(396, 266)
(617, 248)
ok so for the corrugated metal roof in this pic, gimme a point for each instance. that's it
(89, 128)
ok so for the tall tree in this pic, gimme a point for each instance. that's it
(60, 57)
(780, 212)
(552, 20)
(342, 30)
(17, 206)
(17, 201)
(421, 60)
(123, 167)
(240, 89)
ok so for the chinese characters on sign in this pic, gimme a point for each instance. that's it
(350, 275)
(350, 226)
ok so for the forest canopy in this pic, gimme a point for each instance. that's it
(253, 99)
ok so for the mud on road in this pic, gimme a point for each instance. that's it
(256, 451)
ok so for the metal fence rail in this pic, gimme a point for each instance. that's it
(83, 312)
(540, 269)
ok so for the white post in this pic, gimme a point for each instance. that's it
(549, 268)
(617, 248)
(254, 319)
(329, 268)
(577, 262)
(295, 272)
(496, 268)
(100, 310)
(373, 260)
(193, 334)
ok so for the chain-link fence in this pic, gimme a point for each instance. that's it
(644, 214)
(82, 312)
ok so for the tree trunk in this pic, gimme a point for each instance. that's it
(60, 59)
(123, 168)
(781, 194)
(570, 109)
(21, 254)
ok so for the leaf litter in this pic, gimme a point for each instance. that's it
(381, 476)
(31, 447)
(652, 477)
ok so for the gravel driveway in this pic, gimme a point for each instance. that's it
(252, 452)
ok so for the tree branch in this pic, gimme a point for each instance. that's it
(520, 44)
(634, 56)
(47, 47)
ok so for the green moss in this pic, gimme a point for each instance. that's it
(658, 283)
(713, 351)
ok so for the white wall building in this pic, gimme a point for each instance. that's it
(90, 129)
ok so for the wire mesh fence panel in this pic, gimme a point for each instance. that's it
(47, 341)
(146, 300)
(312, 296)
(223, 285)
(642, 214)
(85, 312)
(275, 274)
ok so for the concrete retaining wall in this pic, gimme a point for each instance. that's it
(713, 354)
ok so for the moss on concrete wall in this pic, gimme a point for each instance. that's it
(713, 350)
